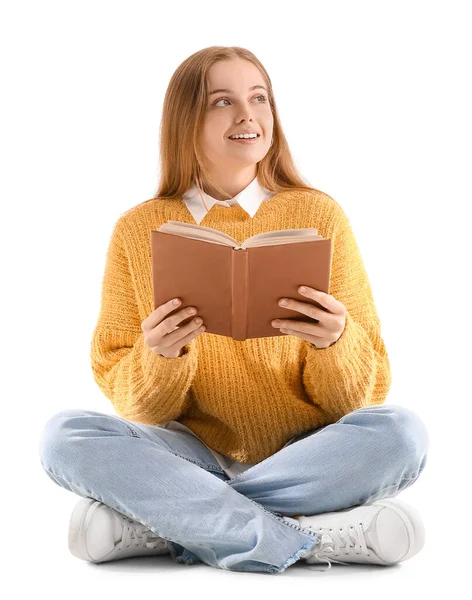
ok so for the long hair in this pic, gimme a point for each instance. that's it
(186, 98)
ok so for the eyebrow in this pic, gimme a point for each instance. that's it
(254, 87)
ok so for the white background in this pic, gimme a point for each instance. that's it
(374, 98)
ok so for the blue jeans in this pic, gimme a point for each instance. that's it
(170, 481)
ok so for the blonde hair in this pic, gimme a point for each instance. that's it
(185, 102)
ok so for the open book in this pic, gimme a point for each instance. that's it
(236, 288)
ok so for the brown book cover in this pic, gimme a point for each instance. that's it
(234, 288)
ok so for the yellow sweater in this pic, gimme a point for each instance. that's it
(244, 399)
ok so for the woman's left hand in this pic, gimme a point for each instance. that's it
(331, 322)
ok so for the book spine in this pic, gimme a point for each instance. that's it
(239, 281)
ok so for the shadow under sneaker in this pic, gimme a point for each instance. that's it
(98, 533)
(385, 532)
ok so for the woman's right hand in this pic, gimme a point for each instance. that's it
(163, 335)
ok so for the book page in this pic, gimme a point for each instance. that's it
(198, 232)
(268, 238)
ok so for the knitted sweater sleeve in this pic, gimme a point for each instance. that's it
(354, 371)
(142, 386)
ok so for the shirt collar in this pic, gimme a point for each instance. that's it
(250, 198)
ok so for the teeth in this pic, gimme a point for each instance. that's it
(245, 136)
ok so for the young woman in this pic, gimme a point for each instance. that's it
(246, 456)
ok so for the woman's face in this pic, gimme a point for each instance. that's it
(237, 109)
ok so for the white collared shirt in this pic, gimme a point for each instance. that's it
(250, 198)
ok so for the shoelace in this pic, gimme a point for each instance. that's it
(138, 534)
(341, 539)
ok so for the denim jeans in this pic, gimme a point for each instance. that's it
(170, 481)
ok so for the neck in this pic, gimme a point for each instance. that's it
(230, 186)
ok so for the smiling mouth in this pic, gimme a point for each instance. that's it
(245, 141)
(257, 136)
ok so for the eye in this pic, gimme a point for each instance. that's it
(220, 100)
(264, 100)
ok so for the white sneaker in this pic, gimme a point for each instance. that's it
(383, 533)
(98, 533)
